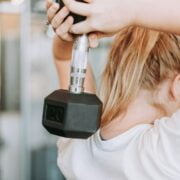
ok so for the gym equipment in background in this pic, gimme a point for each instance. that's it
(74, 113)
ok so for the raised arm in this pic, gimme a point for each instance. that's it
(62, 47)
(62, 54)
(160, 15)
(109, 16)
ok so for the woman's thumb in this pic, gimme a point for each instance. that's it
(93, 40)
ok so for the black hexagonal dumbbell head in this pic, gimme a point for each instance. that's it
(72, 115)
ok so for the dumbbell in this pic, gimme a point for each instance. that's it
(73, 113)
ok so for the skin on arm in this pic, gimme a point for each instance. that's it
(161, 15)
(62, 46)
(63, 64)
(110, 16)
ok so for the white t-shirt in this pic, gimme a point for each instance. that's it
(144, 152)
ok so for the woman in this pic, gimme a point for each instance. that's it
(139, 136)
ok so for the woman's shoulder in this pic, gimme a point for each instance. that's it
(165, 130)
(69, 143)
(162, 127)
(170, 122)
(163, 140)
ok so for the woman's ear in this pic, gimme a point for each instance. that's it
(175, 88)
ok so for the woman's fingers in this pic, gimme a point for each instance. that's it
(81, 28)
(93, 40)
(52, 11)
(76, 7)
(58, 20)
(48, 4)
(59, 17)
(63, 30)
(95, 36)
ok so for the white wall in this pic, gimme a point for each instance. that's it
(10, 153)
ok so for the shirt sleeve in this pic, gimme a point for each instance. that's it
(165, 141)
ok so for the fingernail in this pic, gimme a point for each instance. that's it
(66, 9)
(70, 18)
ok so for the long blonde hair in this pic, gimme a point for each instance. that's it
(139, 58)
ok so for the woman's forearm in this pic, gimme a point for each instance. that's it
(62, 50)
(110, 16)
(160, 15)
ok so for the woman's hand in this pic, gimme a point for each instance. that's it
(109, 16)
(62, 24)
(56, 19)
(62, 46)
(103, 16)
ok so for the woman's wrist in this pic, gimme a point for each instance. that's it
(62, 50)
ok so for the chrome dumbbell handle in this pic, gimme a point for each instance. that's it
(79, 64)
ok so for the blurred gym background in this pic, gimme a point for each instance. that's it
(27, 75)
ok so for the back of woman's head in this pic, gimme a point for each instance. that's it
(139, 59)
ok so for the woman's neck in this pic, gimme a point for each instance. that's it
(140, 111)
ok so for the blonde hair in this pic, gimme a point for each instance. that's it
(139, 58)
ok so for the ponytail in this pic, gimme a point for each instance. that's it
(127, 69)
